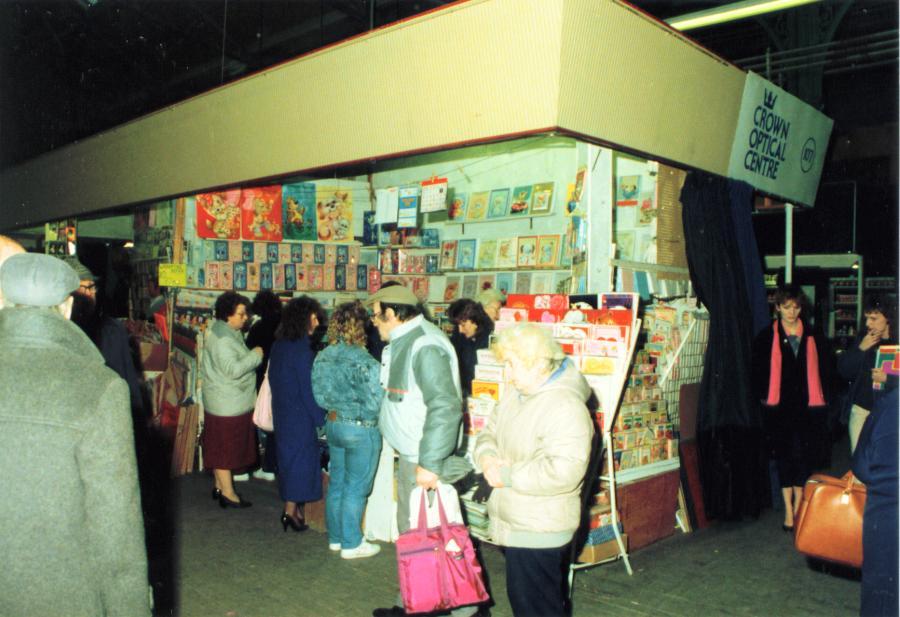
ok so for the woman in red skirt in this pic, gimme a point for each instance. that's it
(228, 374)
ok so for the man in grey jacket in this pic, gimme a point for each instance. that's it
(70, 517)
(422, 408)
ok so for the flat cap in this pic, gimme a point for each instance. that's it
(35, 279)
(395, 294)
(83, 272)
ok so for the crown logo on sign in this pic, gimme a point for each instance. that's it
(769, 99)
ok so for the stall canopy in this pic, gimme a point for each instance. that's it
(475, 71)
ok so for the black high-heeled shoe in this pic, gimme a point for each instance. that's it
(224, 502)
(216, 493)
(290, 521)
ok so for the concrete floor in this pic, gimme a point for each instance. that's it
(239, 563)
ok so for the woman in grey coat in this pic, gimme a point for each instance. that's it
(228, 374)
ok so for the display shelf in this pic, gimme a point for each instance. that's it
(646, 471)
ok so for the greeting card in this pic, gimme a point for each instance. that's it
(340, 277)
(278, 276)
(284, 253)
(448, 255)
(212, 275)
(342, 255)
(506, 252)
(261, 213)
(253, 276)
(309, 254)
(542, 198)
(478, 206)
(362, 276)
(527, 252)
(521, 200)
(296, 253)
(260, 252)
(302, 278)
(465, 254)
(487, 254)
(239, 275)
(470, 286)
(504, 282)
(265, 276)
(290, 276)
(220, 250)
(234, 250)
(431, 238)
(272, 252)
(547, 250)
(451, 289)
(329, 277)
(330, 254)
(499, 204)
(457, 210)
(299, 211)
(319, 254)
(218, 215)
(334, 214)
(315, 278)
(247, 251)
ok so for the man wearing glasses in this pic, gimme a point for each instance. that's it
(422, 408)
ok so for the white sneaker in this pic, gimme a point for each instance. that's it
(268, 476)
(242, 477)
(363, 550)
(334, 546)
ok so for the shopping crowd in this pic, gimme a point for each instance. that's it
(374, 372)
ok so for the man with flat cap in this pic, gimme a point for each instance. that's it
(422, 408)
(70, 517)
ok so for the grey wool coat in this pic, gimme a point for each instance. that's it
(71, 529)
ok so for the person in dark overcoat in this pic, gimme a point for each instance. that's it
(295, 414)
(790, 375)
(875, 462)
(70, 516)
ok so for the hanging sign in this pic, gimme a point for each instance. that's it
(172, 275)
(780, 141)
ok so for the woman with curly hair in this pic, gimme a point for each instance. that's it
(295, 414)
(345, 381)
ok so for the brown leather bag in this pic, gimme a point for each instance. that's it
(829, 523)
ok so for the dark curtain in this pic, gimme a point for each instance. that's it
(741, 195)
(733, 467)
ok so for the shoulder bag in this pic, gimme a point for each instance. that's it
(262, 411)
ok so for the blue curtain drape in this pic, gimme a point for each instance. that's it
(727, 276)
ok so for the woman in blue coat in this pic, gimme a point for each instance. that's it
(295, 413)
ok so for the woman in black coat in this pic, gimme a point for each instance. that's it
(473, 332)
(789, 370)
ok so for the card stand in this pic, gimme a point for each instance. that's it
(610, 476)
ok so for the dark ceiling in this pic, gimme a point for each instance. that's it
(72, 68)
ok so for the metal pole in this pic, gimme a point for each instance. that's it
(788, 243)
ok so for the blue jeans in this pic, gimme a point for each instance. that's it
(354, 452)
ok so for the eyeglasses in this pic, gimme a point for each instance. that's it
(88, 286)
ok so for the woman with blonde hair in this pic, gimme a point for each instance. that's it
(345, 382)
(534, 452)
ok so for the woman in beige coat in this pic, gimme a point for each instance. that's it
(534, 452)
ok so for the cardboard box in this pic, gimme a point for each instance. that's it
(592, 553)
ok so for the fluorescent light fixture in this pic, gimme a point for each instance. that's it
(732, 12)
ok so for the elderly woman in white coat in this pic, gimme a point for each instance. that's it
(534, 452)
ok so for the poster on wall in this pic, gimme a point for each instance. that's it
(219, 215)
(542, 198)
(299, 203)
(334, 214)
(521, 199)
(261, 213)
(386, 204)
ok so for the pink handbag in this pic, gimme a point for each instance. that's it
(437, 567)
(262, 411)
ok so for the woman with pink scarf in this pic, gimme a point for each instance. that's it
(788, 365)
